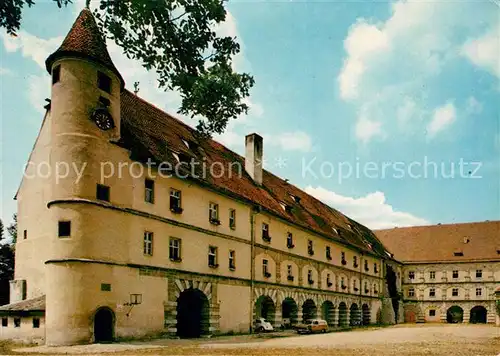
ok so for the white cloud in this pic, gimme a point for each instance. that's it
(371, 210)
(406, 111)
(5, 71)
(484, 51)
(473, 106)
(443, 116)
(38, 49)
(366, 129)
(292, 141)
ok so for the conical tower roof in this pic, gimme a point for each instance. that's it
(86, 41)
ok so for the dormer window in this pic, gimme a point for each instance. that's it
(335, 231)
(288, 209)
(104, 82)
(56, 74)
(295, 198)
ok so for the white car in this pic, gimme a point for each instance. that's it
(262, 324)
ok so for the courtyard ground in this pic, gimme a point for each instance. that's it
(410, 340)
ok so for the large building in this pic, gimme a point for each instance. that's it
(450, 272)
(136, 239)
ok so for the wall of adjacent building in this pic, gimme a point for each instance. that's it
(25, 332)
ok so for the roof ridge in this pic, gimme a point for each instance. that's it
(439, 225)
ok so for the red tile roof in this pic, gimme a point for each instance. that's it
(151, 133)
(476, 241)
(85, 40)
(34, 304)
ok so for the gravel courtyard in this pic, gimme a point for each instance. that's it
(414, 340)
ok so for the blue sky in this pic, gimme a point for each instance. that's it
(337, 83)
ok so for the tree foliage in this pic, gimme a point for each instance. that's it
(177, 39)
(6, 267)
(12, 229)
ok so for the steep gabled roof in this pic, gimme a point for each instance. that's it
(151, 133)
(450, 242)
(85, 40)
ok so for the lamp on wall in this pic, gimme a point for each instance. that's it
(135, 299)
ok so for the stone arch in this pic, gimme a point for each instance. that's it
(193, 313)
(104, 325)
(343, 314)
(328, 312)
(366, 314)
(265, 308)
(309, 310)
(455, 314)
(354, 315)
(305, 276)
(478, 315)
(289, 312)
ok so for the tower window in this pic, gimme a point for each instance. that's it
(104, 82)
(56, 74)
(102, 192)
(64, 229)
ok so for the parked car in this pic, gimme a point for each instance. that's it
(312, 326)
(262, 325)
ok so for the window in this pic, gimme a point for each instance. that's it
(175, 201)
(411, 292)
(105, 287)
(265, 232)
(432, 274)
(479, 292)
(64, 229)
(328, 281)
(25, 234)
(232, 260)
(367, 290)
(454, 292)
(411, 275)
(432, 312)
(375, 268)
(102, 192)
(149, 191)
(310, 277)
(232, 219)
(104, 101)
(354, 286)
(458, 254)
(479, 273)
(289, 240)
(36, 323)
(310, 249)
(212, 257)
(289, 272)
(148, 243)
(342, 283)
(56, 74)
(17, 322)
(328, 253)
(366, 266)
(265, 270)
(455, 274)
(104, 82)
(432, 292)
(5, 322)
(355, 261)
(342, 258)
(174, 249)
(213, 213)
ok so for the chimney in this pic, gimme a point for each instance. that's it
(254, 146)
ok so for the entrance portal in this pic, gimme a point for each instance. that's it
(455, 314)
(478, 315)
(289, 312)
(192, 314)
(309, 310)
(104, 321)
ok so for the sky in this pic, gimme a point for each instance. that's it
(387, 111)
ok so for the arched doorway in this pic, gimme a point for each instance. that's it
(328, 312)
(454, 315)
(366, 314)
(354, 315)
(342, 314)
(289, 312)
(478, 315)
(264, 308)
(104, 325)
(309, 310)
(193, 314)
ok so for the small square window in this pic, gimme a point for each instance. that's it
(411, 292)
(479, 273)
(455, 274)
(104, 82)
(149, 191)
(148, 243)
(56, 74)
(432, 275)
(454, 292)
(432, 292)
(102, 192)
(5, 322)
(232, 219)
(64, 229)
(175, 249)
(479, 292)
(105, 287)
(432, 312)
(411, 275)
(36, 323)
(17, 322)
